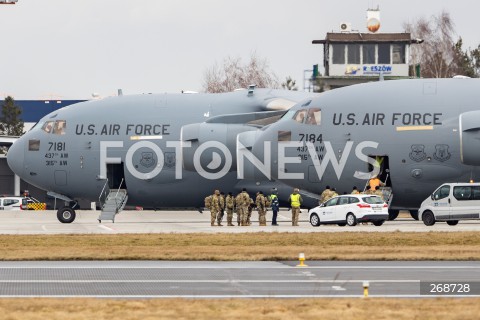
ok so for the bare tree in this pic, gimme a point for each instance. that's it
(289, 84)
(233, 74)
(436, 55)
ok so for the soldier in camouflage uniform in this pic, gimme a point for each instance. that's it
(261, 207)
(208, 206)
(333, 194)
(368, 190)
(230, 204)
(222, 208)
(326, 195)
(243, 202)
(250, 210)
(215, 207)
(378, 192)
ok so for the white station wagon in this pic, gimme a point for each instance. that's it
(350, 209)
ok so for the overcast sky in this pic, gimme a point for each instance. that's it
(71, 48)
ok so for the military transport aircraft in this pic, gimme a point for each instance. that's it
(415, 134)
(155, 151)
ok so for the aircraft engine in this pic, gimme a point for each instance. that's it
(214, 142)
(470, 138)
(213, 146)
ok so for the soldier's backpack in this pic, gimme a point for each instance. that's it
(208, 201)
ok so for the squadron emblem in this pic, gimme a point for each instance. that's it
(418, 152)
(147, 160)
(441, 152)
(169, 159)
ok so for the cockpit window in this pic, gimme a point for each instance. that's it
(55, 127)
(48, 126)
(314, 116)
(60, 126)
(300, 115)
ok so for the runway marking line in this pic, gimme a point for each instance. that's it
(104, 227)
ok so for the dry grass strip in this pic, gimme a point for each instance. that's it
(325, 309)
(247, 246)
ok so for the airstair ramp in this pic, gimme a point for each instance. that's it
(112, 202)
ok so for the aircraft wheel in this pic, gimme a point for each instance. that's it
(378, 223)
(393, 214)
(452, 222)
(414, 214)
(428, 218)
(66, 215)
(314, 220)
(341, 224)
(351, 220)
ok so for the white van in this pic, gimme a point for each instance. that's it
(12, 203)
(451, 202)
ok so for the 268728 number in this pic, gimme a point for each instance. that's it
(449, 288)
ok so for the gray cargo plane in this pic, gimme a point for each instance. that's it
(414, 134)
(155, 151)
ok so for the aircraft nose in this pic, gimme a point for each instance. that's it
(16, 157)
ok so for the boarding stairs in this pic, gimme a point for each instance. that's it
(112, 202)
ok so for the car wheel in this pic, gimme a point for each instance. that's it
(66, 215)
(341, 224)
(314, 220)
(351, 220)
(428, 218)
(393, 214)
(378, 223)
(414, 214)
(452, 222)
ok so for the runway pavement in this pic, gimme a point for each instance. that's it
(169, 279)
(45, 222)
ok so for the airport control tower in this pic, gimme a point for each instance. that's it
(351, 56)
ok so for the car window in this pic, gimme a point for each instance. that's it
(372, 200)
(331, 202)
(476, 193)
(353, 200)
(441, 193)
(9, 202)
(343, 200)
(462, 192)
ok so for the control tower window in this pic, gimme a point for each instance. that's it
(338, 53)
(300, 115)
(60, 126)
(398, 54)
(384, 53)
(354, 54)
(368, 53)
(314, 116)
(48, 126)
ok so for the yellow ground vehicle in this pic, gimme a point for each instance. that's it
(33, 204)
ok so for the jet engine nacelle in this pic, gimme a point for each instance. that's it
(470, 138)
(212, 145)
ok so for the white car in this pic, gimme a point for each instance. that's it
(350, 209)
(12, 203)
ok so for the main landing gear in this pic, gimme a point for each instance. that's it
(67, 213)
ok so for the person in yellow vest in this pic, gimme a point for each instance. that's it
(295, 202)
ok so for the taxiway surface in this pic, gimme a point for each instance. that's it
(45, 222)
